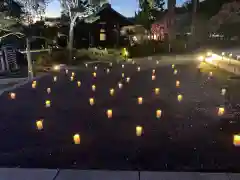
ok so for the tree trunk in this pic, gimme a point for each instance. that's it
(70, 42)
(29, 59)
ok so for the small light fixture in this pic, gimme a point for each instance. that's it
(76, 139)
(39, 124)
(139, 130)
(140, 100)
(13, 95)
(109, 113)
(91, 101)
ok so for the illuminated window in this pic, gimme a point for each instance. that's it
(102, 35)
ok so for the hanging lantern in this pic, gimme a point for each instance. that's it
(71, 78)
(179, 97)
(95, 67)
(91, 101)
(223, 91)
(140, 100)
(236, 140)
(76, 139)
(86, 65)
(94, 74)
(122, 65)
(173, 65)
(48, 90)
(175, 71)
(108, 70)
(34, 85)
(158, 113)
(221, 111)
(55, 78)
(39, 124)
(111, 91)
(177, 83)
(153, 77)
(128, 79)
(73, 74)
(157, 91)
(109, 113)
(153, 71)
(47, 103)
(79, 83)
(120, 85)
(12, 95)
(93, 88)
(123, 75)
(138, 68)
(139, 130)
(66, 71)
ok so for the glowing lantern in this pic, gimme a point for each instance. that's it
(108, 70)
(76, 139)
(79, 83)
(173, 65)
(138, 69)
(34, 82)
(179, 97)
(140, 100)
(157, 62)
(236, 140)
(221, 111)
(94, 74)
(73, 74)
(95, 67)
(157, 90)
(91, 101)
(175, 72)
(111, 91)
(128, 79)
(153, 71)
(177, 83)
(33, 85)
(13, 95)
(210, 74)
(47, 103)
(71, 78)
(120, 85)
(48, 90)
(139, 130)
(158, 113)
(66, 71)
(86, 65)
(153, 77)
(223, 91)
(123, 75)
(55, 78)
(39, 124)
(93, 88)
(122, 65)
(109, 113)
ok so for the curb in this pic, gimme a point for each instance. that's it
(21, 84)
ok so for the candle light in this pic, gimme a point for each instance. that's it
(95, 67)
(66, 71)
(223, 91)
(55, 78)
(47, 103)
(91, 101)
(153, 77)
(73, 74)
(109, 113)
(122, 65)
(153, 71)
(175, 71)
(94, 74)
(128, 79)
(221, 111)
(71, 78)
(120, 85)
(13, 95)
(48, 90)
(93, 87)
(111, 91)
(210, 74)
(157, 62)
(123, 75)
(33, 85)
(139, 130)
(158, 113)
(236, 140)
(76, 139)
(179, 97)
(34, 82)
(108, 70)
(177, 83)
(138, 68)
(157, 90)
(173, 65)
(79, 83)
(86, 65)
(110, 64)
(140, 100)
(39, 124)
